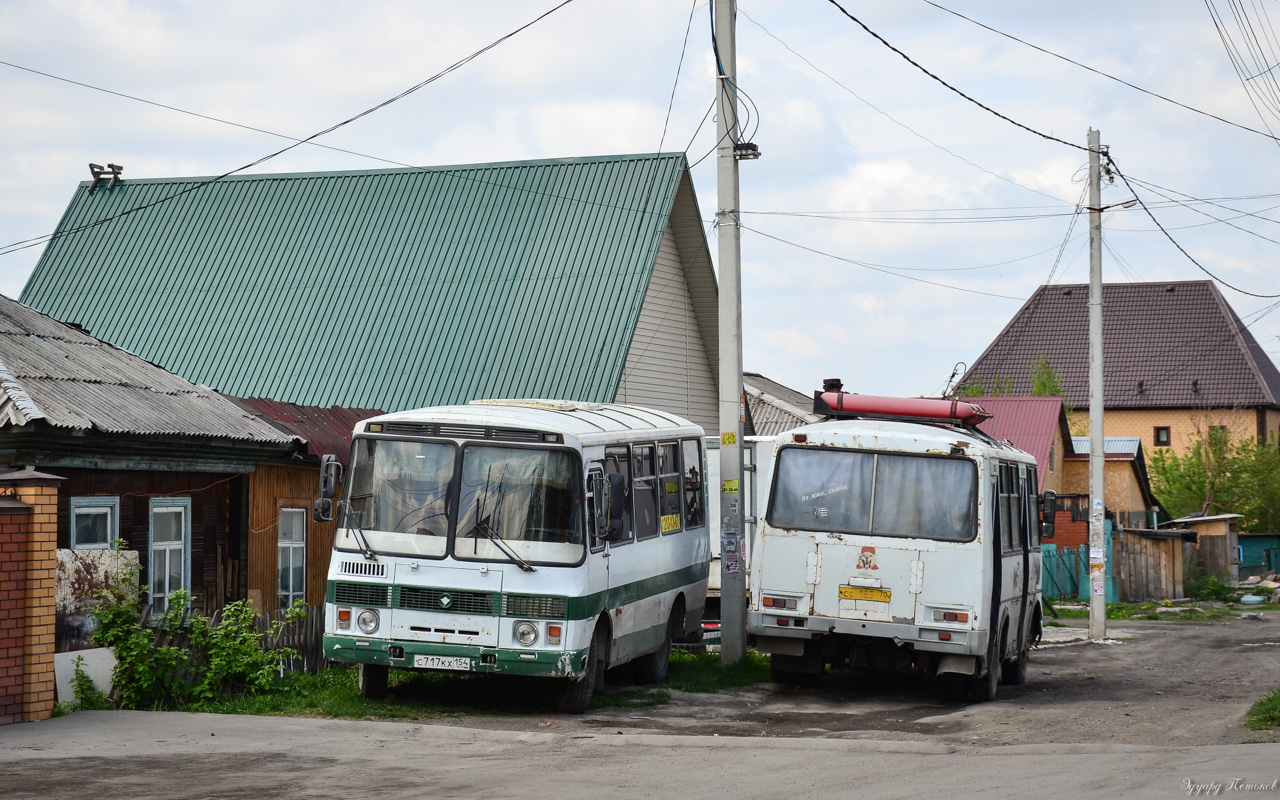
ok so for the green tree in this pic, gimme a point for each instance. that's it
(1044, 381)
(976, 387)
(1217, 475)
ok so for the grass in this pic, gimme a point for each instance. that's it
(422, 695)
(1264, 714)
(1122, 611)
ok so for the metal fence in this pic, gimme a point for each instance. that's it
(1063, 570)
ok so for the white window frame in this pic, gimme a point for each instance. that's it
(96, 505)
(167, 503)
(297, 550)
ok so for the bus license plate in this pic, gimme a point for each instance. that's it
(861, 593)
(461, 664)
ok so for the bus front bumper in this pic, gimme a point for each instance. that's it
(484, 660)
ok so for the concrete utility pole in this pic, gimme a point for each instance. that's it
(1097, 456)
(733, 583)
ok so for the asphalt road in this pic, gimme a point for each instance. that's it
(141, 756)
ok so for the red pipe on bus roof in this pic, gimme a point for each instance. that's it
(917, 407)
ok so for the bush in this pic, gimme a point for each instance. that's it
(222, 659)
(1201, 586)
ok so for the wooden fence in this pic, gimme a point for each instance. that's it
(305, 636)
(1148, 565)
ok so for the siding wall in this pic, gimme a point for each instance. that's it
(273, 487)
(667, 366)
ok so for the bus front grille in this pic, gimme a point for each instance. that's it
(456, 602)
(514, 605)
(362, 594)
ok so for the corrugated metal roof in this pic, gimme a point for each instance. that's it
(326, 430)
(1112, 446)
(51, 371)
(1029, 423)
(775, 408)
(1165, 345)
(384, 288)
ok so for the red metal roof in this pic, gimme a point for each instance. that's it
(326, 430)
(1028, 423)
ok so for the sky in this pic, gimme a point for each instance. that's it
(891, 227)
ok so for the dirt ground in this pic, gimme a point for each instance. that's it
(1151, 683)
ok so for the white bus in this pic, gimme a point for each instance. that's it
(521, 537)
(901, 539)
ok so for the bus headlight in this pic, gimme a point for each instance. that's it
(526, 633)
(368, 620)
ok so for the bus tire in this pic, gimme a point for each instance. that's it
(575, 696)
(1014, 673)
(652, 668)
(372, 680)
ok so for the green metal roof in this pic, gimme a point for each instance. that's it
(384, 289)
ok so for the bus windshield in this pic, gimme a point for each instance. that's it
(400, 487)
(881, 494)
(529, 501)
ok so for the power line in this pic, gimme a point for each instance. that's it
(1099, 72)
(1167, 235)
(889, 117)
(986, 108)
(875, 268)
(7, 249)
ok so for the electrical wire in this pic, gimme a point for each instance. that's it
(1175, 243)
(887, 116)
(986, 108)
(1101, 73)
(866, 265)
(7, 249)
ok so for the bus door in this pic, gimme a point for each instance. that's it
(619, 537)
(1032, 562)
(1011, 556)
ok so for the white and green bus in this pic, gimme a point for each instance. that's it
(899, 537)
(520, 537)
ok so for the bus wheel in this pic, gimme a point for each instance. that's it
(575, 696)
(983, 689)
(373, 681)
(653, 667)
(1014, 673)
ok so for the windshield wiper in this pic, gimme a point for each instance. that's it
(482, 525)
(363, 542)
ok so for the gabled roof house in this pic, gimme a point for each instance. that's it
(1177, 360)
(580, 278)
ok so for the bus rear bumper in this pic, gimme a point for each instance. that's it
(770, 637)
(485, 660)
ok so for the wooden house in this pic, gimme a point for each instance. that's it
(137, 455)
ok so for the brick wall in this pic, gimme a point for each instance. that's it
(14, 517)
(1184, 424)
(42, 579)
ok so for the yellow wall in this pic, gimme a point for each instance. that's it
(1120, 482)
(1184, 425)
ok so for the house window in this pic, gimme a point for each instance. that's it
(170, 566)
(1162, 437)
(95, 522)
(293, 551)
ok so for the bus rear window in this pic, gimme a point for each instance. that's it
(847, 491)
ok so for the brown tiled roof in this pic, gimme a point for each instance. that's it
(1165, 345)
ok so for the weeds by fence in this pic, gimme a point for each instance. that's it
(304, 637)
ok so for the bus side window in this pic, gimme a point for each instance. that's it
(695, 511)
(645, 482)
(1029, 491)
(669, 487)
(594, 478)
(617, 470)
(1008, 492)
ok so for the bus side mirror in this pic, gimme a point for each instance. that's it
(322, 511)
(330, 472)
(1048, 510)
